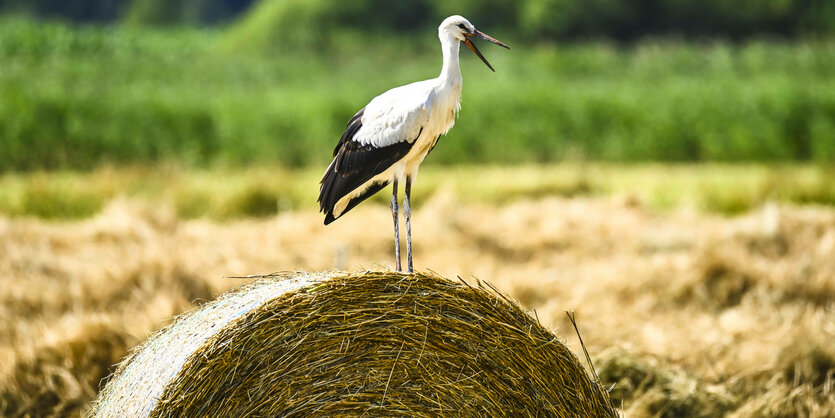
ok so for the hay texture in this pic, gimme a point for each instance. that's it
(379, 343)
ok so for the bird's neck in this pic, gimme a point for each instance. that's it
(450, 72)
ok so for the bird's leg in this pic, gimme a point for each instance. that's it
(396, 225)
(407, 213)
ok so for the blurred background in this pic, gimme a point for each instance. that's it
(648, 163)
(233, 84)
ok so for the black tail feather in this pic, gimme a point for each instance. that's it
(371, 190)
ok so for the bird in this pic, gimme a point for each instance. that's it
(385, 142)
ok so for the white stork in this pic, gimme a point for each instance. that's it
(386, 141)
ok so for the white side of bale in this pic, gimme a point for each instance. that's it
(136, 390)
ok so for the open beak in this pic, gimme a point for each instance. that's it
(486, 37)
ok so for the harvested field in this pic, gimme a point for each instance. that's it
(686, 313)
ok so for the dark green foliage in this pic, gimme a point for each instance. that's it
(77, 98)
(135, 11)
(628, 19)
(75, 10)
(166, 12)
(312, 22)
(618, 19)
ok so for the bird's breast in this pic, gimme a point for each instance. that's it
(442, 116)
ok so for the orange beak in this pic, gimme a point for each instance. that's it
(486, 37)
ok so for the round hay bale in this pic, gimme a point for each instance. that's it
(381, 343)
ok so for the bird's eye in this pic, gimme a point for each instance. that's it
(461, 25)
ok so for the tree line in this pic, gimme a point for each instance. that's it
(623, 20)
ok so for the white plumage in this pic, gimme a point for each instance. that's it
(396, 114)
(387, 140)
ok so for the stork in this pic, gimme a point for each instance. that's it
(386, 141)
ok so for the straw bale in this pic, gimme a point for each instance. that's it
(380, 343)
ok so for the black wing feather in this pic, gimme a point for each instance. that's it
(353, 165)
(376, 187)
(351, 129)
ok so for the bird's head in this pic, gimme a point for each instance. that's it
(461, 29)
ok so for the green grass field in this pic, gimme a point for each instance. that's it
(79, 97)
(224, 194)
